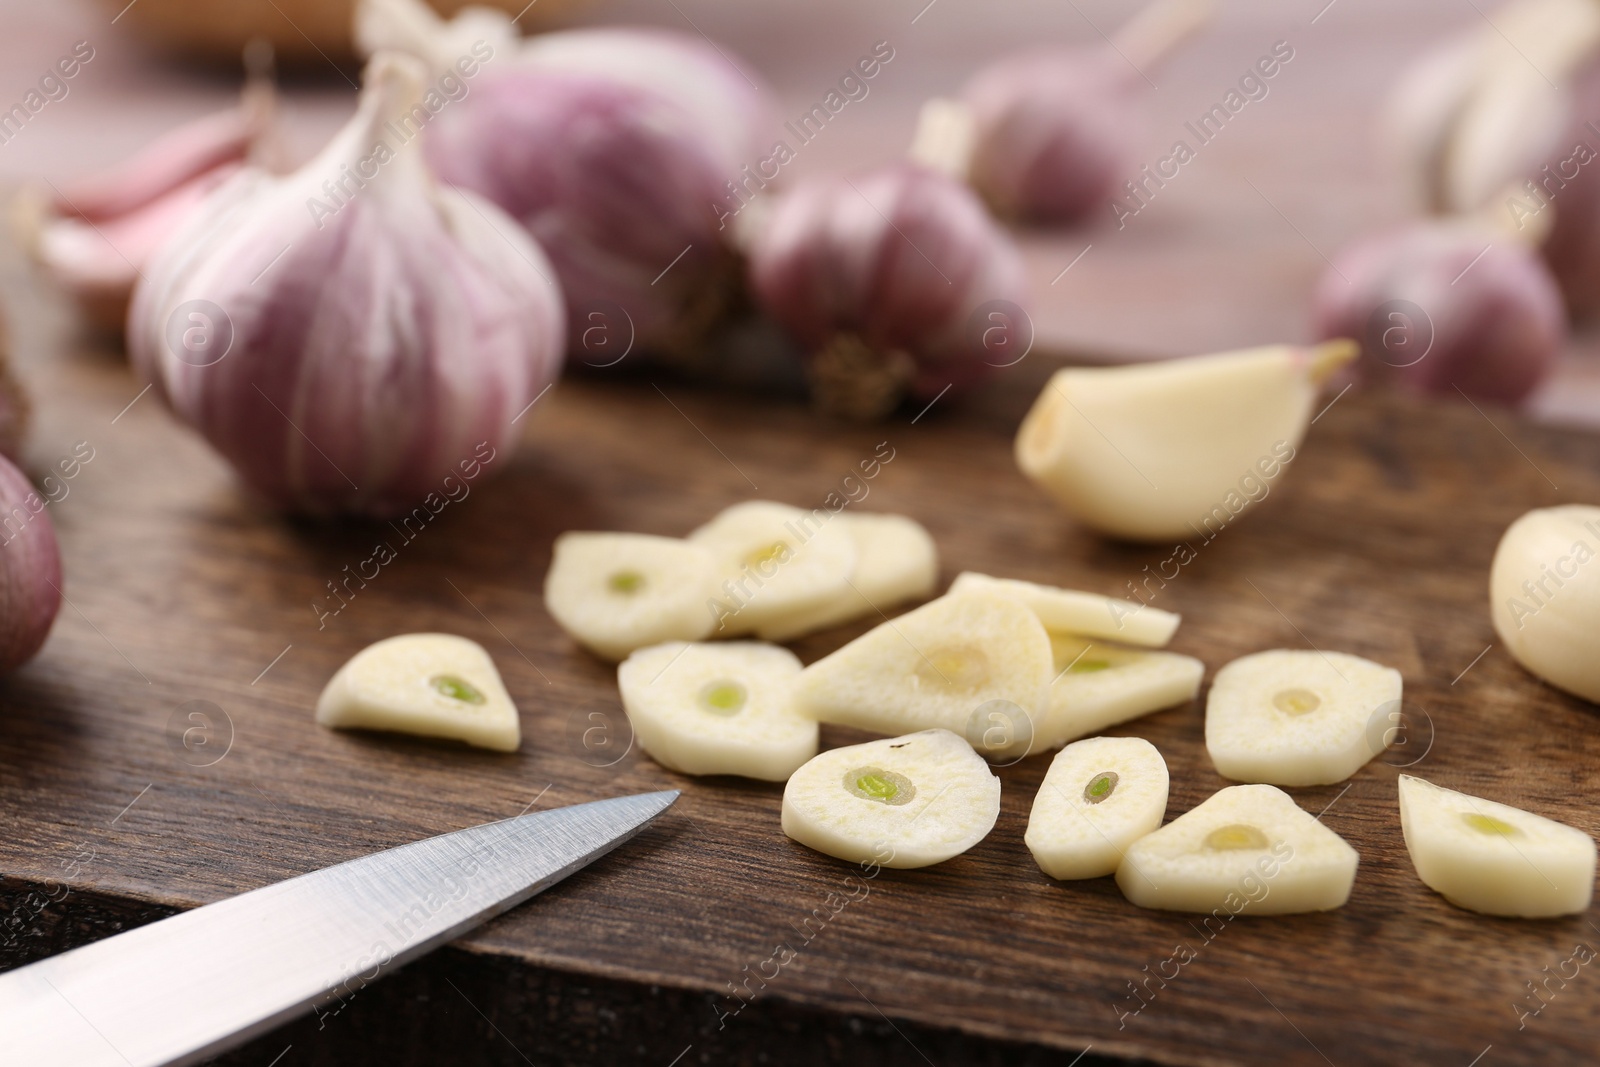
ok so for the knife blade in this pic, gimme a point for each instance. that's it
(182, 989)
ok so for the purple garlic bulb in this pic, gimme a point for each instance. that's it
(618, 148)
(351, 336)
(30, 570)
(897, 281)
(1446, 306)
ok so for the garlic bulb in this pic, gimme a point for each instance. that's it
(94, 236)
(896, 280)
(624, 151)
(1446, 305)
(1046, 134)
(351, 334)
(30, 570)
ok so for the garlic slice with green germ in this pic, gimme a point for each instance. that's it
(1098, 685)
(616, 592)
(773, 562)
(718, 708)
(898, 802)
(896, 561)
(1247, 848)
(1299, 717)
(1098, 797)
(1493, 858)
(435, 685)
(1069, 611)
(974, 664)
(352, 337)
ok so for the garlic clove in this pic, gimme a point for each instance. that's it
(774, 563)
(974, 664)
(1494, 858)
(1247, 849)
(1096, 686)
(900, 802)
(351, 337)
(30, 580)
(1098, 797)
(896, 561)
(897, 281)
(434, 685)
(1544, 595)
(1070, 612)
(1175, 449)
(617, 592)
(718, 709)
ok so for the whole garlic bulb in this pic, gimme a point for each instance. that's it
(1050, 131)
(1446, 305)
(618, 148)
(30, 570)
(347, 335)
(896, 281)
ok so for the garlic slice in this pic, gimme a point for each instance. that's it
(435, 685)
(1072, 612)
(1299, 717)
(616, 592)
(1098, 797)
(973, 664)
(1493, 858)
(718, 709)
(1098, 685)
(1245, 848)
(898, 802)
(774, 562)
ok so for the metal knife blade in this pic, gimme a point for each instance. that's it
(185, 988)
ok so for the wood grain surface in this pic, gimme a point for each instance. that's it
(181, 589)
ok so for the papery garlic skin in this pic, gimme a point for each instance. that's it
(618, 148)
(1446, 306)
(350, 335)
(30, 569)
(892, 275)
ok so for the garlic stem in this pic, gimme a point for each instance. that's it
(1156, 31)
(945, 136)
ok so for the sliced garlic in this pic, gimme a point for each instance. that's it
(1098, 797)
(718, 708)
(1246, 848)
(616, 592)
(899, 802)
(1493, 858)
(973, 664)
(774, 562)
(435, 685)
(1069, 611)
(1098, 685)
(1295, 717)
(896, 561)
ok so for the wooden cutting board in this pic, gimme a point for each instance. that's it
(1377, 542)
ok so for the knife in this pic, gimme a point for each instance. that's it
(180, 990)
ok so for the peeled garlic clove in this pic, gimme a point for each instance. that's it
(897, 281)
(773, 563)
(1444, 306)
(1246, 849)
(1072, 612)
(1493, 858)
(1098, 797)
(1297, 717)
(973, 664)
(435, 685)
(896, 561)
(718, 709)
(624, 151)
(899, 802)
(351, 337)
(1177, 449)
(616, 592)
(1544, 595)
(1098, 685)
(30, 580)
